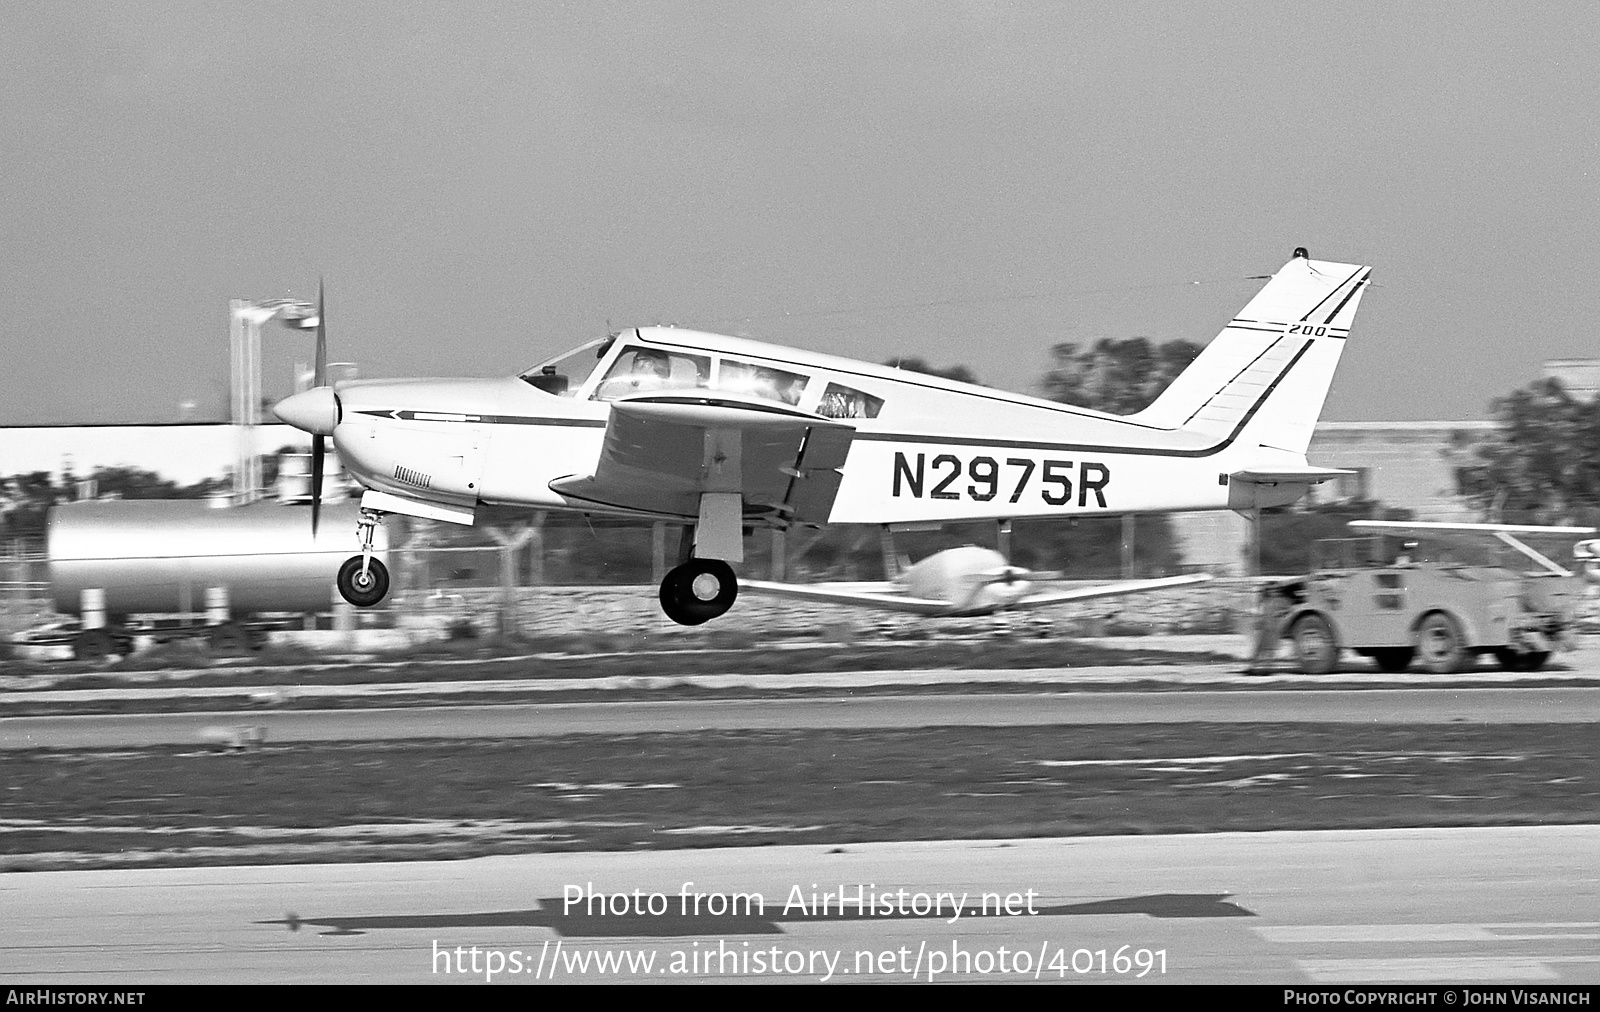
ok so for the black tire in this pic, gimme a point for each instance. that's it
(93, 644)
(1517, 660)
(229, 638)
(1393, 659)
(698, 591)
(1441, 647)
(363, 591)
(1314, 646)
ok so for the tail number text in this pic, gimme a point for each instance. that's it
(982, 479)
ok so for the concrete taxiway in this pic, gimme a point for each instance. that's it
(1498, 905)
(1397, 706)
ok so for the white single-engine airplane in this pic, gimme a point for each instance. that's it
(724, 435)
(961, 582)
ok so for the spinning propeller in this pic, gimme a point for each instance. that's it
(315, 411)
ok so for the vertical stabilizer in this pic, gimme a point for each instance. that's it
(1270, 368)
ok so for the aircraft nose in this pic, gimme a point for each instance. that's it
(315, 411)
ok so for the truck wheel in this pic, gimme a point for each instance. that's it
(93, 644)
(229, 638)
(1314, 645)
(1440, 645)
(1393, 659)
(1516, 660)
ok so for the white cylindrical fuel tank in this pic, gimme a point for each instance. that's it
(158, 556)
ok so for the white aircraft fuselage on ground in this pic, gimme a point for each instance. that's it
(725, 435)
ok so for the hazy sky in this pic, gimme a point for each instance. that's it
(484, 185)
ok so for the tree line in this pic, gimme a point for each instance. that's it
(1541, 465)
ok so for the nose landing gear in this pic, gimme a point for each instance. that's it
(698, 591)
(363, 580)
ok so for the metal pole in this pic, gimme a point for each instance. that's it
(1127, 545)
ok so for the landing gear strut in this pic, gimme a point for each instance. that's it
(363, 580)
(698, 591)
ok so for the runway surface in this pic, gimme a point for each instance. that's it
(1400, 706)
(1501, 905)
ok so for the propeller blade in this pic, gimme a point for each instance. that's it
(317, 446)
(319, 377)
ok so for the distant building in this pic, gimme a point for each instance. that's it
(1580, 377)
(1406, 465)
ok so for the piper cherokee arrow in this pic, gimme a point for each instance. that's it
(724, 436)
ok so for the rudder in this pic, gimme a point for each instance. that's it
(1270, 369)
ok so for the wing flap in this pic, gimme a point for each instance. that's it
(662, 452)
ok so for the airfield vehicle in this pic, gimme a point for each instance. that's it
(1436, 595)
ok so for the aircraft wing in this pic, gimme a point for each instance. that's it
(861, 595)
(663, 451)
(882, 595)
(1054, 597)
(1403, 527)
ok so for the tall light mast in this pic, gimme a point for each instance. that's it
(245, 320)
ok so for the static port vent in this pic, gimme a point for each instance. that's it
(411, 477)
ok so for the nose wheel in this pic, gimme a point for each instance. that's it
(698, 591)
(363, 581)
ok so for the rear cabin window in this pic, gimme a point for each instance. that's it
(653, 370)
(760, 381)
(840, 401)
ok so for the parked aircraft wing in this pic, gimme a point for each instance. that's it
(881, 595)
(663, 451)
(1420, 527)
(1053, 597)
(862, 595)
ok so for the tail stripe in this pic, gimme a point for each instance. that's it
(1345, 301)
(1330, 295)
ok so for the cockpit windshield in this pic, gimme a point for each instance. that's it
(565, 374)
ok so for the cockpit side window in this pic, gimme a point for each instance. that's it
(764, 382)
(839, 401)
(650, 370)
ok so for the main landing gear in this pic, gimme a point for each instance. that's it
(363, 580)
(698, 591)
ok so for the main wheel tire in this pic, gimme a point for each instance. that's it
(698, 591)
(1314, 646)
(1441, 647)
(1393, 659)
(363, 590)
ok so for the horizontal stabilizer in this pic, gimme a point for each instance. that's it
(1285, 475)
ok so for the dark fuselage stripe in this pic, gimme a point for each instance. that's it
(961, 440)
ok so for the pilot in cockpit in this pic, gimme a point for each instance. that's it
(650, 365)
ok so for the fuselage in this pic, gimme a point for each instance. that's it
(924, 449)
